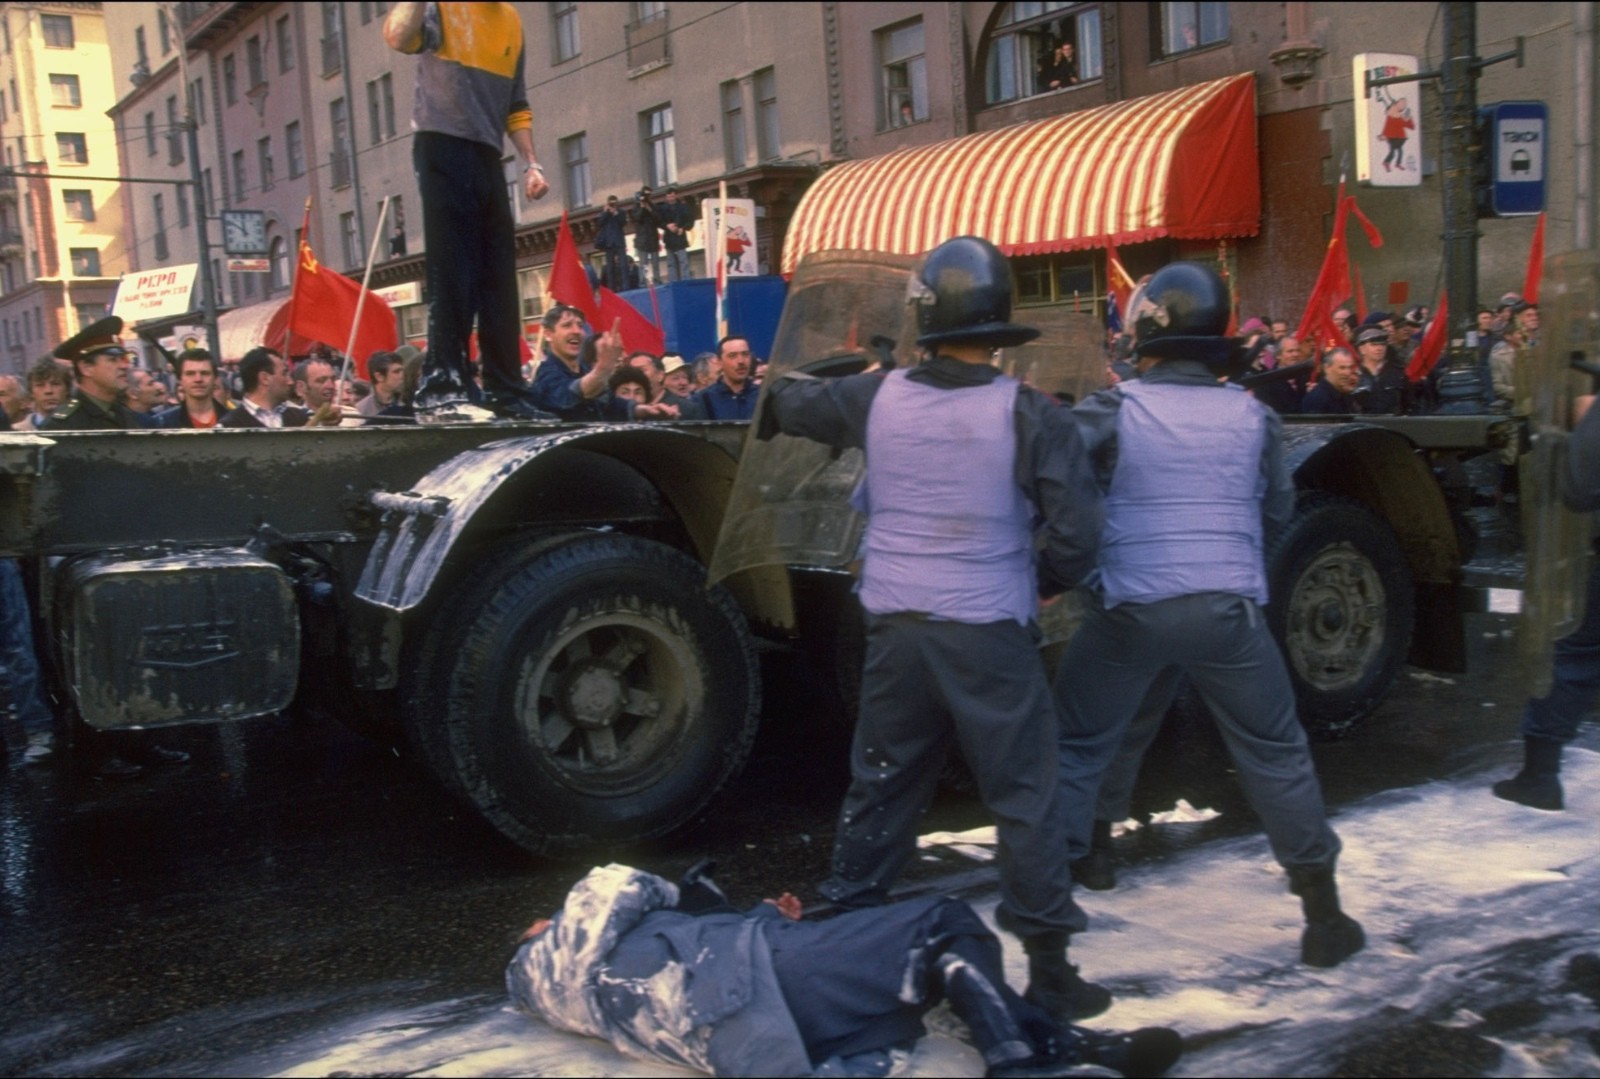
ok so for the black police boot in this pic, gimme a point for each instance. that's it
(1331, 935)
(1096, 871)
(1538, 785)
(1149, 1051)
(1055, 987)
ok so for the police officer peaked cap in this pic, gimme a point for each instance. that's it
(102, 336)
(1183, 311)
(963, 296)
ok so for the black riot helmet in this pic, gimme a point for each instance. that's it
(963, 296)
(1182, 312)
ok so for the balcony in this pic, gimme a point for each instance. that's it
(649, 43)
(10, 242)
(332, 56)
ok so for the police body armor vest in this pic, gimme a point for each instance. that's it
(949, 532)
(1184, 511)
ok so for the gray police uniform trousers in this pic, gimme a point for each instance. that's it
(928, 684)
(1222, 642)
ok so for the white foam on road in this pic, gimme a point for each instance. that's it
(1468, 902)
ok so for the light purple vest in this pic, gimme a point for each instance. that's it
(949, 532)
(1184, 511)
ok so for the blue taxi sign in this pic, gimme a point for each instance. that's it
(1519, 156)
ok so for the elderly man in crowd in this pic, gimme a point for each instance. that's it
(1335, 392)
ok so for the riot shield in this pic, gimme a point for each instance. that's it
(790, 503)
(1556, 539)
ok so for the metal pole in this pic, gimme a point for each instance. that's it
(366, 277)
(1461, 389)
(208, 287)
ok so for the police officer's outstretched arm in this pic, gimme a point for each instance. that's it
(1055, 470)
(832, 411)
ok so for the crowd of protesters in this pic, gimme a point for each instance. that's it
(1369, 368)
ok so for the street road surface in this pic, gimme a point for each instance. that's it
(299, 901)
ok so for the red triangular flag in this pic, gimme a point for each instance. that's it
(569, 284)
(323, 306)
(1432, 344)
(639, 334)
(1530, 281)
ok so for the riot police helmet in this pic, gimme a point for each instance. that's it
(963, 297)
(1183, 312)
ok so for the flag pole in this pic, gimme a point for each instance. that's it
(721, 275)
(361, 300)
(294, 291)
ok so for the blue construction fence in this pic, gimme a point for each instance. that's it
(688, 312)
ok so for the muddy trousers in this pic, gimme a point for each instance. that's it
(927, 685)
(1222, 642)
(471, 266)
(1576, 675)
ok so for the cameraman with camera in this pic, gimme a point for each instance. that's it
(647, 236)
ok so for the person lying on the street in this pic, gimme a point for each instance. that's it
(673, 973)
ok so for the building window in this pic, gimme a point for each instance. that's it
(1057, 279)
(264, 161)
(163, 31)
(278, 253)
(339, 114)
(71, 148)
(150, 133)
(1039, 47)
(380, 108)
(768, 145)
(210, 198)
(197, 100)
(85, 261)
(1185, 26)
(57, 31)
(530, 289)
(904, 94)
(575, 169)
(332, 54)
(65, 93)
(286, 49)
(174, 133)
(397, 223)
(230, 80)
(349, 241)
(733, 147)
(180, 195)
(370, 11)
(158, 208)
(660, 149)
(564, 27)
(255, 66)
(296, 150)
(79, 205)
(141, 62)
(238, 176)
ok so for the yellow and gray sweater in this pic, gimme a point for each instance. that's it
(470, 82)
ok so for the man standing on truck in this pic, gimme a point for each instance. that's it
(960, 462)
(100, 365)
(471, 94)
(1193, 474)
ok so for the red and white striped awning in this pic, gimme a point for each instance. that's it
(1179, 164)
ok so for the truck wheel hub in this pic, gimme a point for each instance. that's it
(1335, 613)
(594, 696)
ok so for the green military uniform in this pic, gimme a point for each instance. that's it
(87, 414)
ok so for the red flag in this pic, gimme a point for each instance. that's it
(569, 284)
(284, 331)
(1361, 294)
(1432, 345)
(1119, 283)
(323, 306)
(639, 334)
(1530, 281)
(1333, 282)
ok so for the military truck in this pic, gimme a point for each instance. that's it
(527, 607)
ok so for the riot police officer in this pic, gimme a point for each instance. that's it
(960, 462)
(1193, 474)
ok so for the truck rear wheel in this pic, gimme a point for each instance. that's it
(591, 691)
(1342, 608)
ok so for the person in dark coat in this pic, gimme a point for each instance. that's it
(674, 973)
(610, 241)
(961, 460)
(1335, 393)
(647, 237)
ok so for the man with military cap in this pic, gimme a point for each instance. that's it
(1193, 474)
(100, 365)
(961, 461)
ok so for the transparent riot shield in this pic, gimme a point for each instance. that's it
(1556, 539)
(790, 503)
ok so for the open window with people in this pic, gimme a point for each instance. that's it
(1038, 48)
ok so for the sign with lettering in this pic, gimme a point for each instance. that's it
(402, 295)
(153, 294)
(1388, 122)
(1518, 149)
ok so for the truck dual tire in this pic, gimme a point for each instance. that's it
(1342, 607)
(587, 689)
